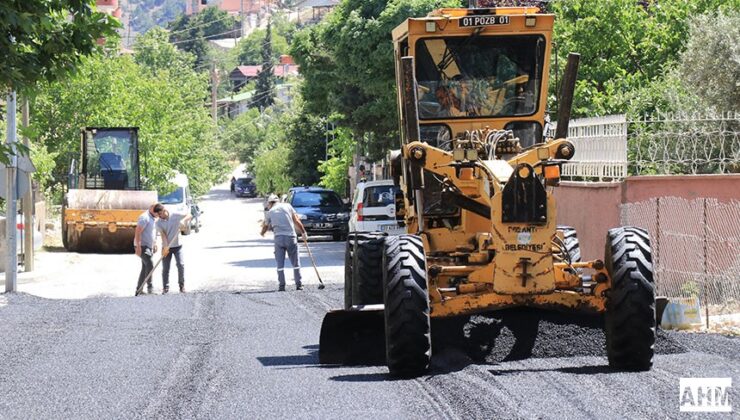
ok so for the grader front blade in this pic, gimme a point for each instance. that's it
(353, 337)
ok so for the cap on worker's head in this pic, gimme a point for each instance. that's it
(272, 198)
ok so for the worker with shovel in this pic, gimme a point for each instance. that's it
(169, 229)
(144, 237)
(283, 220)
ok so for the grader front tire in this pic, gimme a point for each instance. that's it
(406, 298)
(630, 309)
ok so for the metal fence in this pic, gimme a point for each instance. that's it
(696, 248)
(601, 148)
(685, 144)
(612, 147)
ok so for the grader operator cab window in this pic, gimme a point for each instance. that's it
(479, 76)
(110, 159)
(529, 133)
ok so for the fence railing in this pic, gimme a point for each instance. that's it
(696, 248)
(601, 148)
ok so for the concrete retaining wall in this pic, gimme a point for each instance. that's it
(592, 207)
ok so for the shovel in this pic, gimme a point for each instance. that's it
(313, 262)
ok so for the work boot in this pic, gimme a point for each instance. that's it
(182, 288)
(165, 290)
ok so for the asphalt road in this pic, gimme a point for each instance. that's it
(75, 344)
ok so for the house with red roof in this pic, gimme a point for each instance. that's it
(285, 68)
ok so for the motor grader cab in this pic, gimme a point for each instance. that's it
(104, 197)
(477, 174)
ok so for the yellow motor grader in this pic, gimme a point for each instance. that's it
(476, 168)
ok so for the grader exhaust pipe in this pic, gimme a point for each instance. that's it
(565, 104)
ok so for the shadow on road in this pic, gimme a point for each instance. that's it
(259, 263)
(298, 360)
(364, 377)
(311, 359)
(576, 370)
(48, 248)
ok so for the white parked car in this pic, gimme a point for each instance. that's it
(374, 208)
(180, 201)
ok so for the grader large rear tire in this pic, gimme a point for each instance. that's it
(630, 308)
(407, 325)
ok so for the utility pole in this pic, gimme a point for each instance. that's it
(27, 204)
(11, 260)
(214, 93)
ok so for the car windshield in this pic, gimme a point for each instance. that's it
(174, 197)
(479, 76)
(243, 182)
(316, 199)
(379, 196)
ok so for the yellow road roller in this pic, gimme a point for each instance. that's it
(104, 196)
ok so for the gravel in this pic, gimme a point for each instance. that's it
(522, 333)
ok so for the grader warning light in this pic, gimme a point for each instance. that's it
(482, 234)
(552, 171)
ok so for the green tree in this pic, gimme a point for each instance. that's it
(242, 136)
(347, 64)
(250, 48)
(271, 173)
(154, 52)
(335, 169)
(282, 25)
(40, 42)
(307, 134)
(625, 45)
(191, 33)
(264, 94)
(709, 67)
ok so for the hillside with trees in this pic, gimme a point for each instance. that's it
(146, 14)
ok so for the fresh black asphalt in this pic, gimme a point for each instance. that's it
(253, 354)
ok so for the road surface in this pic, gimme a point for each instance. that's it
(76, 344)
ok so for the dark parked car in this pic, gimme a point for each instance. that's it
(321, 211)
(245, 187)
